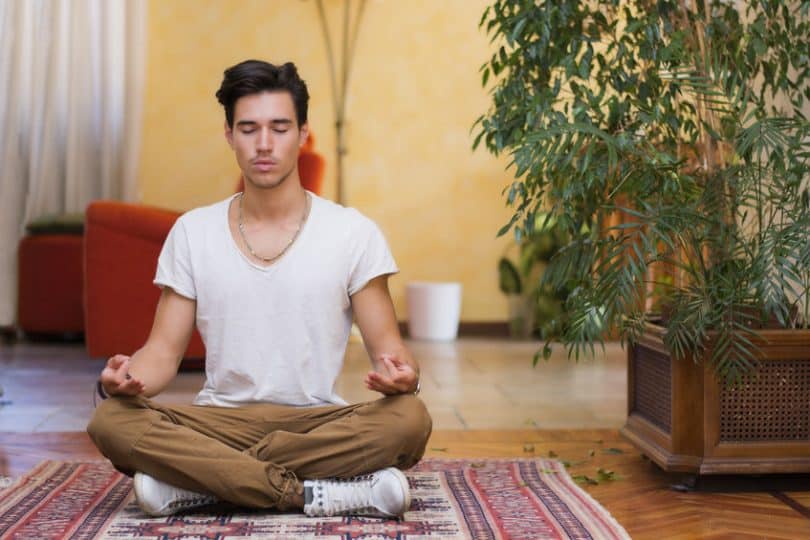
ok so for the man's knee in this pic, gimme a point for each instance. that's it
(116, 425)
(103, 420)
(414, 421)
(408, 428)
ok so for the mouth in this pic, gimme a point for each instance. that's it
(264, 164)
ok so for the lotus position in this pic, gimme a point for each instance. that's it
(272, 277)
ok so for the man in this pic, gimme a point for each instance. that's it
(272, 277)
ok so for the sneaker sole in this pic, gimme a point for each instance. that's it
(137, 486)
(403, 480)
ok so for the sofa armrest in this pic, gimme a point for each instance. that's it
(135, 220)
(122, 245)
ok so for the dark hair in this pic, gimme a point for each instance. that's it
(255, 76)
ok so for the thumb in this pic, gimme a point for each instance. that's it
(116, 361)
(391, 362)
(393, 359)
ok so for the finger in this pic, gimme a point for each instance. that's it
(115, 362)
(123, 370)
(112, 378)
(372, 381)
(129, 379)
(389, 386)
(131, 387)
(382, 364)
(379, 384)
(396, 361)
(383, 389)
(380, 379)
(393, 365)
(390, 358)
(402, 376)
(370, 384)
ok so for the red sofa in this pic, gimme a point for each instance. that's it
(122, 244)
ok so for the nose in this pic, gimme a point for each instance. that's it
(265, 141)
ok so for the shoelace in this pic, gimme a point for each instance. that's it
(354, 494)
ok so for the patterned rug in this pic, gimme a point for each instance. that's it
(451, 499)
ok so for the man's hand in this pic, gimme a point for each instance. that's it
(400, 378)
(116, 380)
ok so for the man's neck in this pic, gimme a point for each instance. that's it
(285, 202)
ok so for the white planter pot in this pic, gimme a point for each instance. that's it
(434, 309)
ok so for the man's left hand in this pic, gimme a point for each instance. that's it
(400, 378)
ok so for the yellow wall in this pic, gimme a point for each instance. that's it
(415, 92)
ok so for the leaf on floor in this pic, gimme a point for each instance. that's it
(528, 448)
(552, 454)
(438, 449)
(591, 452)
(605, 475)
(585, 479)
(612, 451)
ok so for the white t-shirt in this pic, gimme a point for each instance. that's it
(273, 334)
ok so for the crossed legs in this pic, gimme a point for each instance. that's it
(258, 455)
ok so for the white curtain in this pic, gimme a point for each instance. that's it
(71, 74)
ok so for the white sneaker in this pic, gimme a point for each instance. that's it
(158, 498)
(384, 493)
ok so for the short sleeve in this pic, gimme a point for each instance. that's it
(371, 256)
(174, 268)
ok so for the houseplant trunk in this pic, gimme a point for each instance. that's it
(685, 419)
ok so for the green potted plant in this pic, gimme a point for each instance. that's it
(670, 141)
(535, 309)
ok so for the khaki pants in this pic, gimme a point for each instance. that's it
(258, 455)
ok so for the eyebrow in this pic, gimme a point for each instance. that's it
(275, 121)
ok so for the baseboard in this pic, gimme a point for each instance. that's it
(7, 334)
(51, 337)
(491, 329)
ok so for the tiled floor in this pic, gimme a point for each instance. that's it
(467, 384)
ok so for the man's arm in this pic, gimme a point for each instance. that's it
(397, 372)
(155, 364)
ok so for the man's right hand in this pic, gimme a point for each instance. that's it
(116, 380)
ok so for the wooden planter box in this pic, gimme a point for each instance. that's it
(682, 418)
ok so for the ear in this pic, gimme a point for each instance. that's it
(303, 134)
(228, 134)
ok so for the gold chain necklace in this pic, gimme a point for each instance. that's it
(283, 251)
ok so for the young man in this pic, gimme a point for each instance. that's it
(272, 277)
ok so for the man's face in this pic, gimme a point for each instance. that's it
(266, 138)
